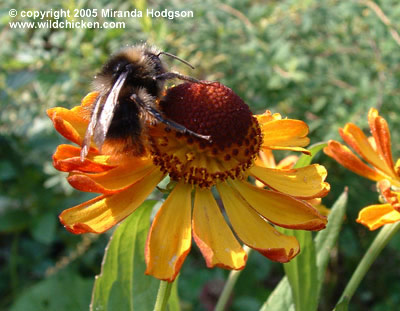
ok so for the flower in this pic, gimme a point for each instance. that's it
(198, 166)
(376, 151)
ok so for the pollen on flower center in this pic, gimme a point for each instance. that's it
(207, 109)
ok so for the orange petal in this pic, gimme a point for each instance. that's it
(306, 182)
(349, 160)
(84, 109)
(72, 123)
(100, 214)
(169, 239)
(67, 159)
(114, 180)
(213, 235)
(255, 231)
(380, 131)
(357, 140)
(375, 216)
(281, 209)
(285, 133)
(68, 125)
(391, 197)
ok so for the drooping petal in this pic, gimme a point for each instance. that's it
(170, 237)
(322, 209)
(67, 159)
(349, 160)
(375, 216)
(306, 182)
(285, 133)
(357, 140)
(213, 235)
(380, 131)
(281, 209)
(265, 158)
(114, 180)
(255, 231)
(391, 197)
(100, 214)
(72, 124)
(288, 162)
(69, 124)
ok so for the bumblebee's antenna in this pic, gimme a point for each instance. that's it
(176, 57)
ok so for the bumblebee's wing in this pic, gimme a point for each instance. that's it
(104, 120)
(90, 129)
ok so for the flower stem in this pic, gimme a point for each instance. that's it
(163, 295)
(230, 283)
(381, 240)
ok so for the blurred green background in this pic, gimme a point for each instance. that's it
(325, 62)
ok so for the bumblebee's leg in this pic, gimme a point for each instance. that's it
(176, 126)
(176, 75)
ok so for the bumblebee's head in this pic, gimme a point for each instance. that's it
(155, 61)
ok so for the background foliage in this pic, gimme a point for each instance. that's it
(325, 62)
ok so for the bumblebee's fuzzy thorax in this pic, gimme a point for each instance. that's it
(141, 63)
(129, 85)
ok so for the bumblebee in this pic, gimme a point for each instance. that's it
(129, 85)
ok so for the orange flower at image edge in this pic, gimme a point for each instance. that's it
(376, 151)
(125, 181)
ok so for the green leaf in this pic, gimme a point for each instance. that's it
(326, 239)
(14, 220)
(44, 228)
(61, 292)
(305, 159)
(173, 303)
(302, 272)
(122, 284)
(281, 298)
(342, 306)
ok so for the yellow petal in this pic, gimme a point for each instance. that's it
(267, 116)
(306, 182)
(170, 235)
(397, 167)
(255, 231)
(213, 235)
(287, 162)
(349, 160)
(281, 209)
(297, 149)
(375, 216)
(113, 180)
(100, 214)
(357, 140)
(285, 133)
(265, 158)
